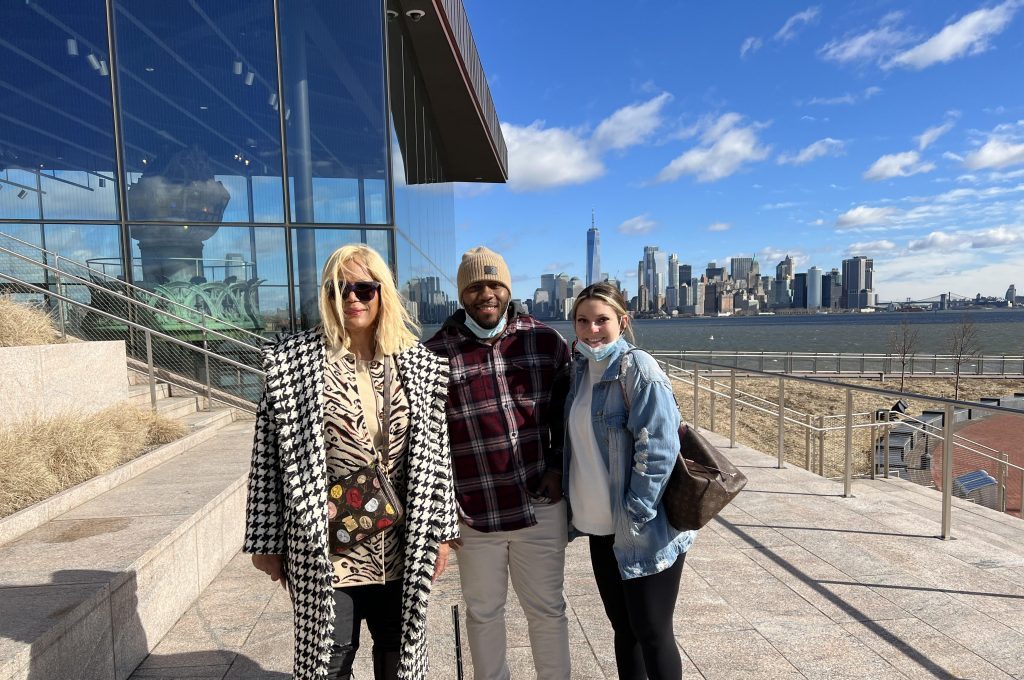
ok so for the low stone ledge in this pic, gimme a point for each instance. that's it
(48, 380)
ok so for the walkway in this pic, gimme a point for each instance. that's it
(793, 581)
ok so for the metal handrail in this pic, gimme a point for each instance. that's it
(149, 335)
(60, 274)
(237, 329)
(948, 436)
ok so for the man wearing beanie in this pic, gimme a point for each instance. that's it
(508, 382)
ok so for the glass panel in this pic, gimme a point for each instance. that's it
(333, 60)
(56, 127)
(198, 85)
(310, 250)
(237, 275)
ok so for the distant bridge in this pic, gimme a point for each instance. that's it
(937, 299)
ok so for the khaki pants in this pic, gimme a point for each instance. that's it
(534, 558)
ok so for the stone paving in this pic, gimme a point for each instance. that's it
(792, 581)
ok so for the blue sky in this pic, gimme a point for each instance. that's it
(888, 129)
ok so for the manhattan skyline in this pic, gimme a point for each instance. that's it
(824, 131)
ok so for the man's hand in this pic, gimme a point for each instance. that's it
(272, 566)
(550, 486)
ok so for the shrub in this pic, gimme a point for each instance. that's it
(22, 324)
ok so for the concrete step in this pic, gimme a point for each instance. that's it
(139, 394)
(178, 407)
(89, 593)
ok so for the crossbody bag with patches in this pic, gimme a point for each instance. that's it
(364, 503)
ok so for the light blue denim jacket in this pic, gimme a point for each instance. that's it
(639, 448)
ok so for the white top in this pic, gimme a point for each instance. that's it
(589, 487)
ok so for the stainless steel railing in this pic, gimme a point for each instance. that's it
(847, 363)
(208, 361)
(111, 285)
(705, 387)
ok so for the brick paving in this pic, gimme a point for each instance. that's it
(792, 581)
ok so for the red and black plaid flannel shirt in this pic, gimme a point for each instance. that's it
(505, 430)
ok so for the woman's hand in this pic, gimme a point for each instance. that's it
(443, 551)
(272, 566)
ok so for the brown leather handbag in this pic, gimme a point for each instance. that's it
(703, 480)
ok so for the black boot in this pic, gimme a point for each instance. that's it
(385, 665)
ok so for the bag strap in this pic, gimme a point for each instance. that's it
(385, 425)
(622, 382)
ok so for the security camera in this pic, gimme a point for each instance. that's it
(415, 15)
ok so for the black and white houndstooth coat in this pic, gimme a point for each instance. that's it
(286, 511)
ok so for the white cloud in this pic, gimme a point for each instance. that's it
(950, 156)
(846, 98)
(544, 158)
(631, 125)
(869, 46)
(992, 238)
(864, 215)
(968, 36)
(977, 239)
(750, 45)
(719, 226)
(870, 247)
(928, 137)
(640, 224)
(822, 147)
(898, 165)
(935, 240)
(922, 274)
(796, 22)
(725, 146)
(997, 152)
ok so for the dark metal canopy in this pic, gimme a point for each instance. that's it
(460, 100)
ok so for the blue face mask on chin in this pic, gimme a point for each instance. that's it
(487, 333)
(599, 353)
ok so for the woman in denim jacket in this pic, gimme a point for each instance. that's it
(617, 462)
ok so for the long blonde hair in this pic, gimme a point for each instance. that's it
(396, 330)
(611, 296)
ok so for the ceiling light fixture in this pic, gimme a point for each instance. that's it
(272, 100)
(249, 77)
(392, 14)
(93, 61)
(414, 15)
(150, 69)
(72, 47)
(22, 194)
(103, 68)
(236, 68)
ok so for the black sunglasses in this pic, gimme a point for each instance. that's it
(364, 290)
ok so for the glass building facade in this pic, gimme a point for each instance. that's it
(221, 150)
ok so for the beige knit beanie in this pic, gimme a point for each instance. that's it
(482, 264)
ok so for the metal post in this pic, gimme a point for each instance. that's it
(874, 442)
(935, 364)
(206, 371)
(696, 397)
(711, 425)
(862, 363)
(947, 471)
(782, 422)
(848, 464)
(732, 409)
(821, 446)
(1003, 470)
(981, 365)
(807, 441)
(888, 428)
(789, 362)
(60, 305)
(149, 366)
(760, 364)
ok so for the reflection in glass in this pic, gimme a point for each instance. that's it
(333, 62)
(312, 247)
(57, 158)
(237, 275)
(198, 86)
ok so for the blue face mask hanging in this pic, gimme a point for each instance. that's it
(599, 353)
(487, 333)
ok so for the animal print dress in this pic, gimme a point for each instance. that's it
(351, 441)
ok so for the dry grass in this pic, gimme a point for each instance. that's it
(40, 458)
(24, 325)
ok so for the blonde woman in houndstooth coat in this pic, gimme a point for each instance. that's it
(321, 417)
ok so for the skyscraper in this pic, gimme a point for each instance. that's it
(858, 283)
(814, 288)
(740, 268)
(593, 253)
(655, 263)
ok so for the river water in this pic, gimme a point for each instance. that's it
(999, 332)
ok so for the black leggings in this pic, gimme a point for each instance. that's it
(381, 607)
(640, 610)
